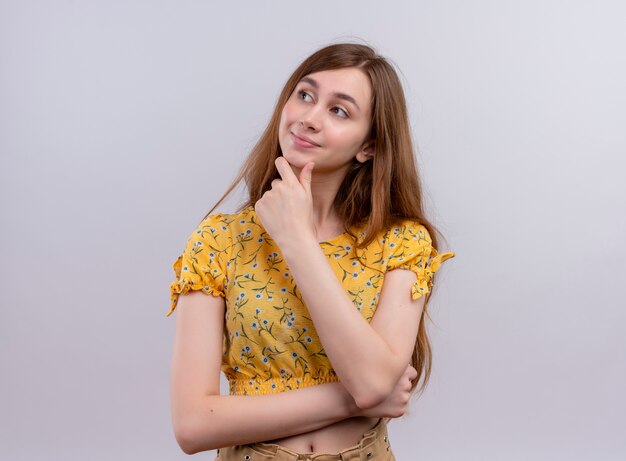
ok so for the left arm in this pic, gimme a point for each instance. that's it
(369, 358)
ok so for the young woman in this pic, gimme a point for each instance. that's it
(311, 297)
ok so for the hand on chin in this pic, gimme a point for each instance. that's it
(286, 210)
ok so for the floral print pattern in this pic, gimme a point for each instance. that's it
(270, 343)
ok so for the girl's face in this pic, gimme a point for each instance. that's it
(327, 119)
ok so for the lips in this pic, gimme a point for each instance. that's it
(304, 141)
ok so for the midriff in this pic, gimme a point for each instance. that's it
(330, 439)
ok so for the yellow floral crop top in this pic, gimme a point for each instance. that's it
(270, 343)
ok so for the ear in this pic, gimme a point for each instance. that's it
(367, 152)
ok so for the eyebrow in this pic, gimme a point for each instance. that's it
(343, 96)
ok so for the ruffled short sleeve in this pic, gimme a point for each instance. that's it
(409, 246)
(203, 264)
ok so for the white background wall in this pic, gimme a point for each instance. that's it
(121, 123)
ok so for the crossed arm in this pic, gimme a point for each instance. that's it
(205, 420)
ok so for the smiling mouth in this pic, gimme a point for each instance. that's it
(303, 142)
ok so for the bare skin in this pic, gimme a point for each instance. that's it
(330, 439)
(348, 432)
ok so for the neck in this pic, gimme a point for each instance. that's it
(324, 187)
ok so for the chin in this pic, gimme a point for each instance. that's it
(295, 160)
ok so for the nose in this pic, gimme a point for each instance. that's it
(311, 118)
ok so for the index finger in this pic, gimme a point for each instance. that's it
(284, 169)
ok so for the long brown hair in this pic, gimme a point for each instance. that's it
(375, 194)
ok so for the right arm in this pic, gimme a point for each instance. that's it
(205, 420)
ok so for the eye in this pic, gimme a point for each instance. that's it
(303, 95)
(339, 111)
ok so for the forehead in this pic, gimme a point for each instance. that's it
(351, 81)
